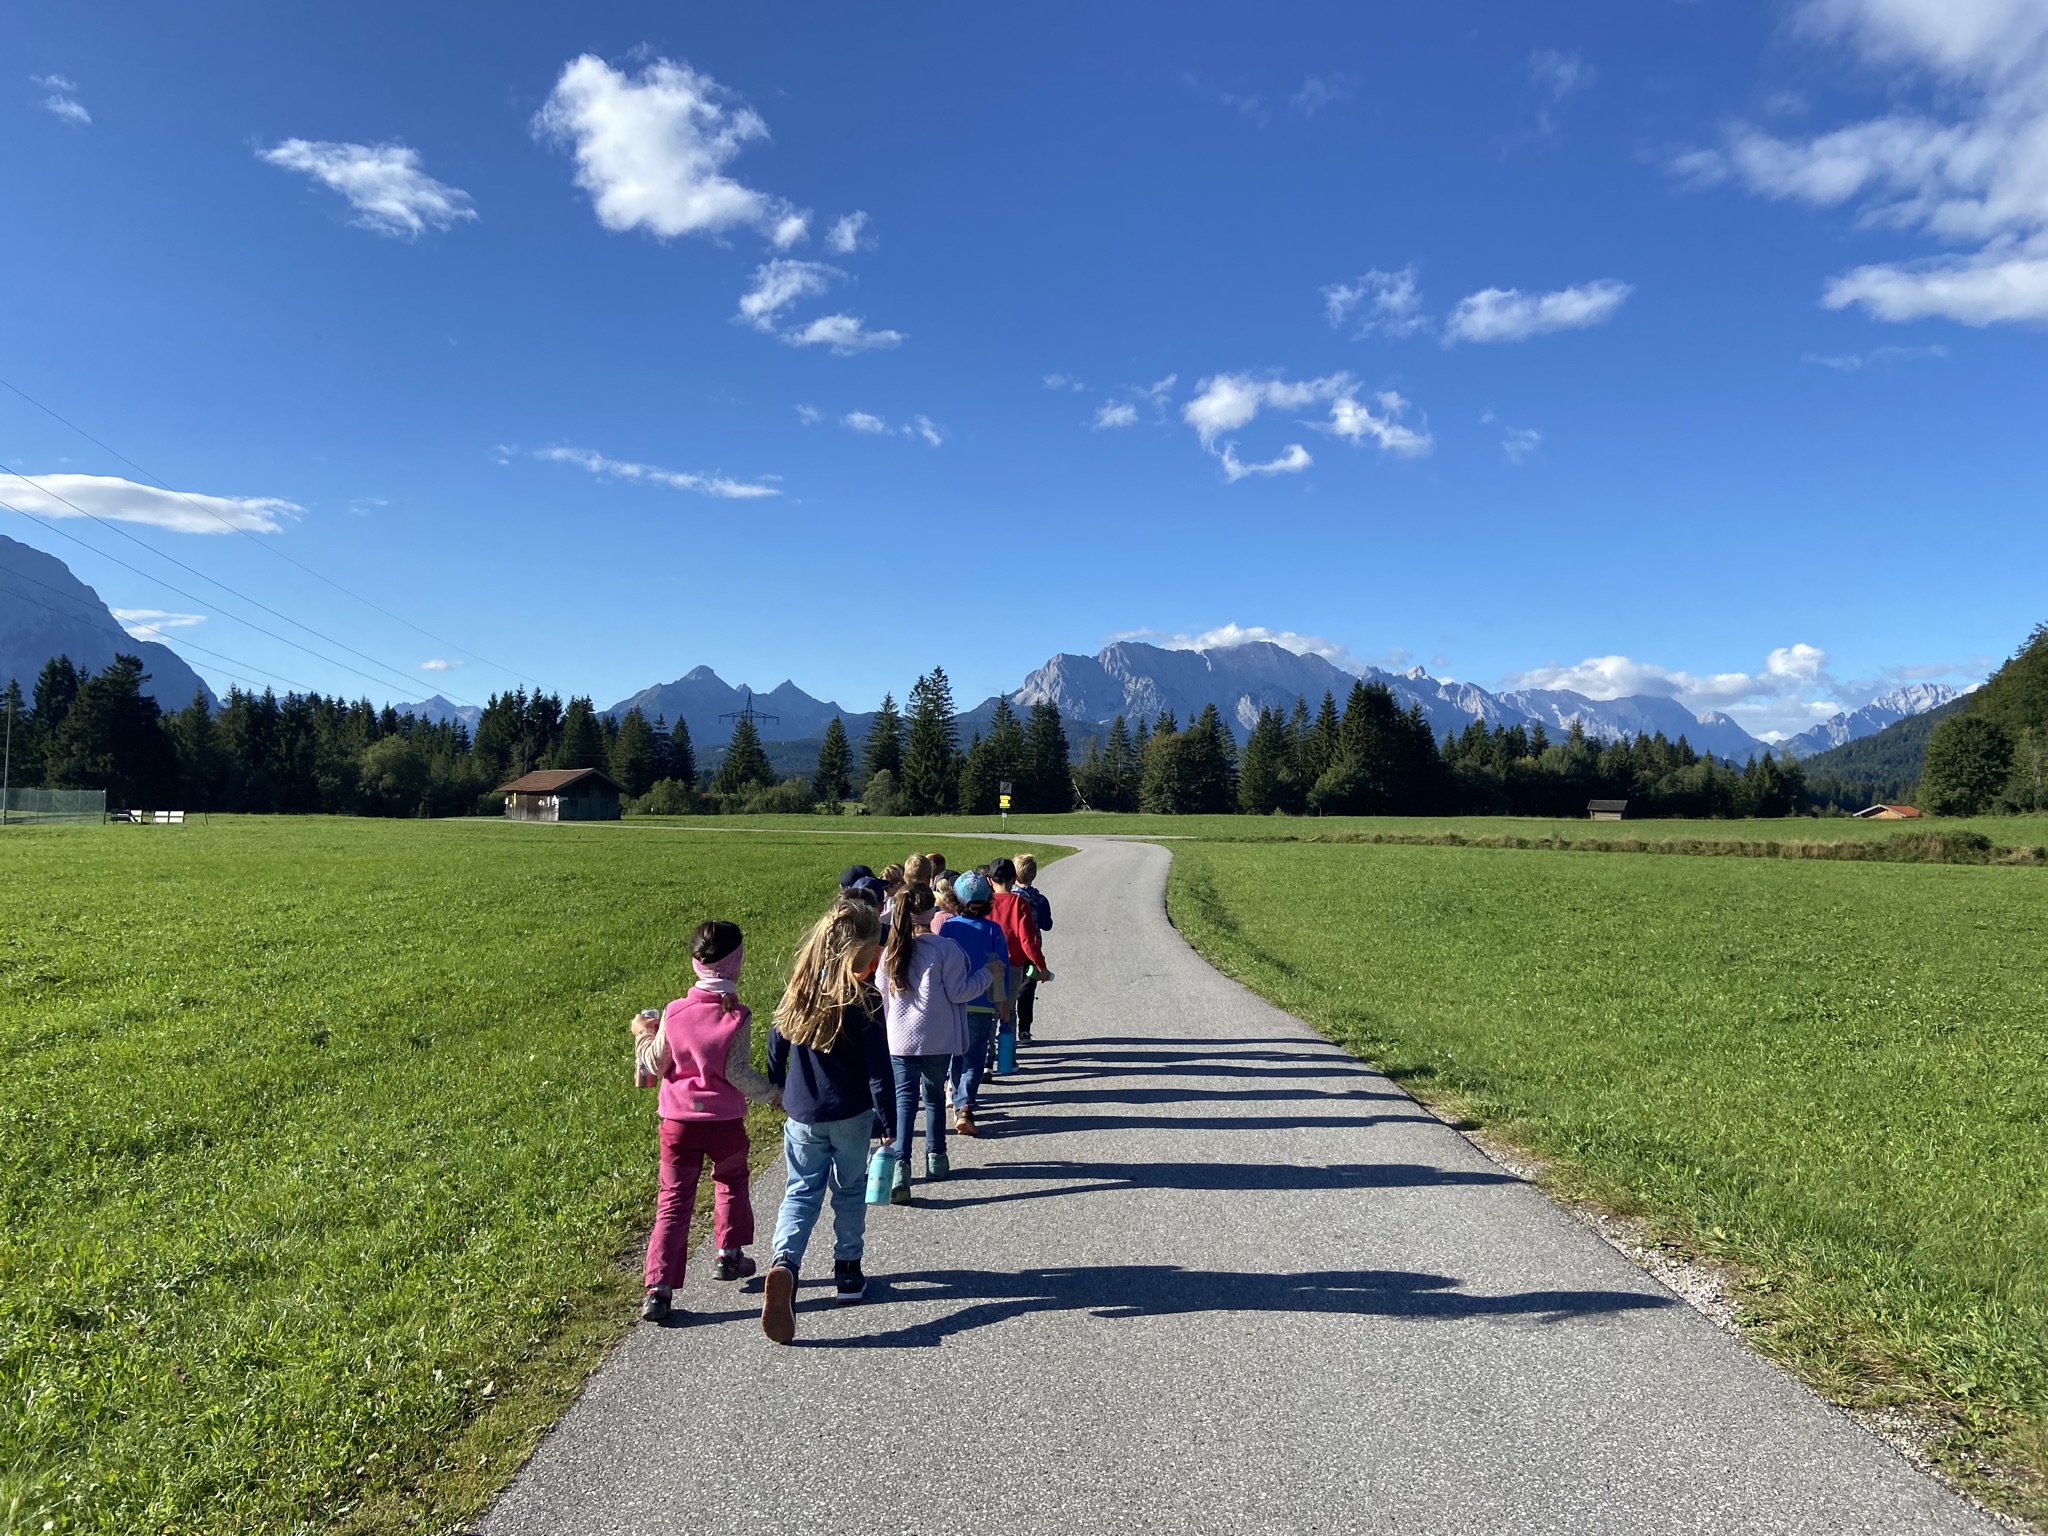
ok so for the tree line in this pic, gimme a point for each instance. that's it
(305, 753)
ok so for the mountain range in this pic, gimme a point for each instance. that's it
(1137, 680)
(46, 611)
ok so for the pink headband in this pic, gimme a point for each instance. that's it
(726, 969)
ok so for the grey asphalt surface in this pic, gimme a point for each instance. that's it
(1205, 1272)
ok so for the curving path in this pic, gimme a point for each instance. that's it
(1206, 1273)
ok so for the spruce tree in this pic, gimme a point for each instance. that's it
(113, 738)
(1320, 745)
(832, 782)
(883, 749)
(930, 781)
(1208, 766)
(661, 746)
(635, 760)
(582, 740)
(990, 760)
(682, 757)
(1048, 778)
(1121, 760)
(1264, 780)
(746, 765)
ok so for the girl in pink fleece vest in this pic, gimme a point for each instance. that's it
(699, 1050)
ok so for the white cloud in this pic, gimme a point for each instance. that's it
(779, 284)
(790, 229)
(123, 501)
(651, 150)
(1876, 357)
(846, 234)
(1116, 413)
(438, 664)
(1556, 74)
(1508, 314)
(54, 82)
(1225, 402)
(150, 623)
(363, 506)
(809, 415)
(648, 474)
(1789, 691)
(1063, 381)
(1391, 303)
(844, 334)
(1356, 424)
(862, 421)
(1224, 636)
(1317, 92)
(924, 427)
(1520, 444)
(382, 182)
(1973, 176)
(68, 108)
(1293, 460)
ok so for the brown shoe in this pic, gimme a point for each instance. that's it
(778, 1304)
(964, 1126)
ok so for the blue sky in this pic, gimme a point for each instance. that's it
(1635, 347)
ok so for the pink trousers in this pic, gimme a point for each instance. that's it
(684, 1146)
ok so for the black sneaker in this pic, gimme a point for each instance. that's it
(733, 1266)
(656, 1307)
(850, 1284)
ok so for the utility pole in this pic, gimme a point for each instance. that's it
(7, 760)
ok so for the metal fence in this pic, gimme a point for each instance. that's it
(50, 805)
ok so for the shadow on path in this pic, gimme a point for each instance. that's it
(1165, 1290)
(1092, 1178)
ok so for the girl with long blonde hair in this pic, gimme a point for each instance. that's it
(829, 1056)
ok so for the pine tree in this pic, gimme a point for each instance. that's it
(199, 757)
(581, 744)
(990, 760)
(1048, 777)
(746, 765)
(1208, 767)
(682, 757)
(883, 748)
(1123, 759)
(635, 759)
(930, 781)
(832, 783)
(113, 738)
(1263, 784)
(661, 746)
(1320, 745)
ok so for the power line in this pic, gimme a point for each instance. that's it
(407, 681)
(189, 597)
(272, 548)
(190, 645)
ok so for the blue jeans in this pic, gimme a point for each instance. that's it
(968, 1069)
(835, 1153)
(911, 1071)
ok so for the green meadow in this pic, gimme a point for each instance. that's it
(321, 1174)
(1834, 1075)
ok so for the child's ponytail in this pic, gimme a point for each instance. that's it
(828, 977)
(912, 913)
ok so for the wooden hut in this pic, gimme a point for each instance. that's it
(1607, 810)
(1889, 813)
(562, 794)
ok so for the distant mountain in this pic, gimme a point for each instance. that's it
(439, 711)
(46, 611)
(1884, 765)
(1890, 709)
(700, 696)
(1134, 680)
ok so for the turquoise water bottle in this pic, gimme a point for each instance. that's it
(881, 1174)
(1006, 1053)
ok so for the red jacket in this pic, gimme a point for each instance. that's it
(1018, 919)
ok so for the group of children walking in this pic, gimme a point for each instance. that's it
(917, 983)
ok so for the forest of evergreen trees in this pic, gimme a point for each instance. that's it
(305, 753)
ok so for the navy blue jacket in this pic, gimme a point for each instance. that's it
(855, 1076)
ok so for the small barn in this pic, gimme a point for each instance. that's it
(1889, 813)
(1607, 810)
(562, 794)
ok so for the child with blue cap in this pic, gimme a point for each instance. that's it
(967, 924)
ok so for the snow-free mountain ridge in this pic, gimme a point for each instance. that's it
(45, 611)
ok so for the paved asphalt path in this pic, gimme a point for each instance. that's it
(1205, 1273)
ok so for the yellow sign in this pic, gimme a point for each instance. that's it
(1005, 801)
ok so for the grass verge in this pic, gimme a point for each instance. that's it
(320, 1168)
(1832, 1076)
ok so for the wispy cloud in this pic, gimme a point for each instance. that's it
(1115, 413)
(1358, 423)
(1292, 460)
(1225, 636)
(1792, 689)
(1227, 402)
(1520, 444)
(151, 623)
(383, 183)
(925, 428)
(438, 664)
(862, 421)
(1124, 411)
(63, 102)
(1968, 175)
(1063, 381)
(649, 474)
(1318, 92)
(843, 334)
(1508, 314)
(1876, 357)
(1556, 74)
(781, 283)
(124, 501)
(1389, 303)
(920, 427)
(849, 234)
(809, 415)
(652, 150)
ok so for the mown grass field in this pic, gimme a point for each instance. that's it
(321, 1174)
(1833, 1074)
(2007, 831)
